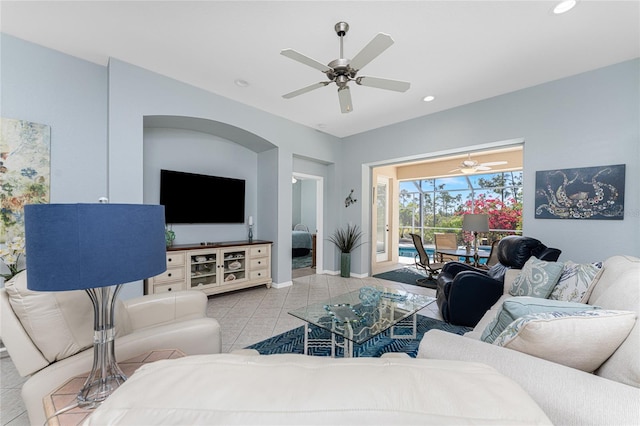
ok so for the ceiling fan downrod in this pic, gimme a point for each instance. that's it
(341, 29)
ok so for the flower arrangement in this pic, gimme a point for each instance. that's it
(467, 237)
(10, 256)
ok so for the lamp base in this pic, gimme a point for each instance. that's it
(105, 376)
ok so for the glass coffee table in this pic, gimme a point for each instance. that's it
(354, 318)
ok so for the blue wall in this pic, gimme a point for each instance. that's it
(591, 119)
(587, 120)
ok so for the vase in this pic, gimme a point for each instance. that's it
(345, 265)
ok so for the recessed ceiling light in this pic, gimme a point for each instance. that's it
(564, 6)
(428, 98)
(241, 83)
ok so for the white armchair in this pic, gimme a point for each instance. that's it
(49, 336)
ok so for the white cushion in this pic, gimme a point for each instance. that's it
(518, 307)
(574, 281)
(60, 323)
(289, 389)
(582, 340)
(537, 278)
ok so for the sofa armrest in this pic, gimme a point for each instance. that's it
(568, 396)
(161, 308)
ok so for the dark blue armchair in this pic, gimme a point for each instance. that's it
(464, 293)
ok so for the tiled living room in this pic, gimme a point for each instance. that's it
(99, 98)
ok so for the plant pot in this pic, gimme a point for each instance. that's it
(345, 265)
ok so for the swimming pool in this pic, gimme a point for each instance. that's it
(410, 251)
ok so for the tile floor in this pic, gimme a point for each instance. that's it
(245, 316)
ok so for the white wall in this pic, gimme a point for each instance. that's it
(591, 119)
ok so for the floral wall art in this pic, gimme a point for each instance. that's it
(581, 193)
(24, 172)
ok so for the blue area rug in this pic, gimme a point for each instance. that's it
(293, 341)
(407, 275)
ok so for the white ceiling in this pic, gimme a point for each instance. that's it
(458, 51)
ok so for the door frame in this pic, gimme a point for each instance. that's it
(319, 217)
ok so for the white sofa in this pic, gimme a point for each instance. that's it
(608, 396)
(49, 336)
(290, 389)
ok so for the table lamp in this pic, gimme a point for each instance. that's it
(475, 223)
(96, 248)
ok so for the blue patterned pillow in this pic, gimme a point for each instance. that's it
(575, 281)
(537, 278)
(517, 307)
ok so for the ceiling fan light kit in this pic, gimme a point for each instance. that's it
(469, 166)
(342, 70)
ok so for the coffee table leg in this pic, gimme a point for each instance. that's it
(414, 328)
(306, 338)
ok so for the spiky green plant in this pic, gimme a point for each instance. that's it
(347, 239)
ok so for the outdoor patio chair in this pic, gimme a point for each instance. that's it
(493, 256)
(446, 240)
(422, 260)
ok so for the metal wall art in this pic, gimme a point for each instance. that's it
(582, 193)
(24, 172)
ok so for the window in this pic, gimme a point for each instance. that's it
(437, 205)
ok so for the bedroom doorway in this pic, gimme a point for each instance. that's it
(306, 242)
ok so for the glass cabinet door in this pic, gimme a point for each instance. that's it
(204, 270)
(234, 266)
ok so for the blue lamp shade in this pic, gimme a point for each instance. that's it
(81, 246)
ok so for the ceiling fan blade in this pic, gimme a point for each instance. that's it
(454, 170)
(296, 56)
(376, 46)
(383, 83)
(482, 168)
(344, 96)
(494, 163)
(304, 90)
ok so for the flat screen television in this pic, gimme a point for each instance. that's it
(195, 198)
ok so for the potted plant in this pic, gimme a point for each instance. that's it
(346, 240)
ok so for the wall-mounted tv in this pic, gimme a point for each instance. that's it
(195, 198)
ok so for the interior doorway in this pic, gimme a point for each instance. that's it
(307, 224)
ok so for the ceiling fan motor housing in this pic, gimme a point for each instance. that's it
(341, 28)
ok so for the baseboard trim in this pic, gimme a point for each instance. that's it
(282, 285)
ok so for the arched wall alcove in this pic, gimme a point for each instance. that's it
(204, 146)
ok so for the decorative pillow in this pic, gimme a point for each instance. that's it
(517, 307)
(59, 323)
(574, 281)
(537, 278)
(582, 340)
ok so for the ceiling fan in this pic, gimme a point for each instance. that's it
(341, 71)
(470, 166)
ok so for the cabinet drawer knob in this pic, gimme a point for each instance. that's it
(259, 263)
(169, 289)
(169, 259)
(169, 274)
